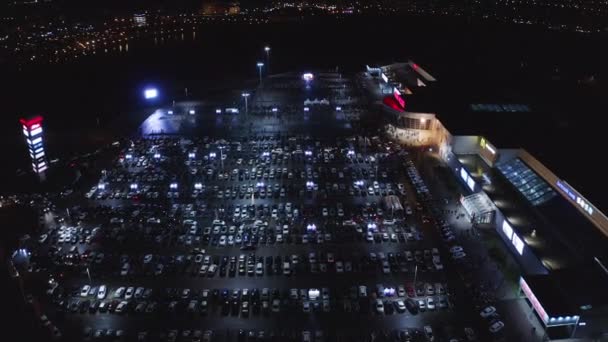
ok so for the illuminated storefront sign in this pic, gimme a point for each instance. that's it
(518, 244)
(463, 174)
(398, 97)
(471, 183)
(532, 298)
(506, 228)
(586, 206)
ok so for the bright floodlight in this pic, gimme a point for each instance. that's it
(260, 64)
(275, 109)
(150, 93)
(338, 108)
(307, 76)
(192, 112)
(129, 156)
(156, 155)
(308, 153)
(133, 186)
(267, 48)
(170, 112)
(173, 186)
(101, 186)
(306, 109)
(212, 154)
(191, 155)
(218, 111)
(198, 186)
(245, 94)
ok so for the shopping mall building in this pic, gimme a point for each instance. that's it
(559, 238)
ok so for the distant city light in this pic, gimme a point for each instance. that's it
(212, 155)
(101, 186)
(259, 184)
(308, 153)
(218, 111)
(308, 77)
(198, 186)
(338, 108)
(128, 156)
(173, 186)
(306, 109)
(191, 155)
(267, 48)
(156, 155)
(191, 111)
(275, 109)
(150, 93)
(170, 112)
(133, 186)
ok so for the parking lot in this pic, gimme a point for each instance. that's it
(256, 235)
(285, 236)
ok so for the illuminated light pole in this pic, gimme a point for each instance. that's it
(415, 275)
(267, 49)
(260, 65)
(32, 129)
(246, 96)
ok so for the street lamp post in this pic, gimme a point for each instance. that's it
(260, 65)
(267, 49)
(415, 275)
(246, 96)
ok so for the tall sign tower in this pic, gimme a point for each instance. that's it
(32, 130)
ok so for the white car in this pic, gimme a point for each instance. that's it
(119, 292)
(85, 290)
(129, 293)
(121, 307)
(339, 267)
(428, 331)
(496, 327)
(101, 293)
(430, 303)
(487, 311)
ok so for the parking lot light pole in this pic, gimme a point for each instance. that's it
(246, 96)
(267, 49)
(89, 275)
(415, 276)
(260, 65)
